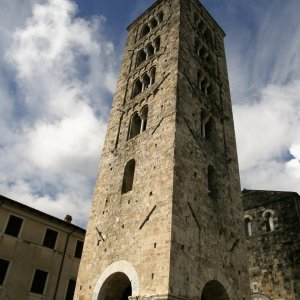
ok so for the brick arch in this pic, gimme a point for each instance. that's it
(120, 266)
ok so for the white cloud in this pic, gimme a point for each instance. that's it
(55, 107)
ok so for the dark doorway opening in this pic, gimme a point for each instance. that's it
(116, 287)
(214, 290)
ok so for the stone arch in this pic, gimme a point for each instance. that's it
(214, 290)
(124, 270)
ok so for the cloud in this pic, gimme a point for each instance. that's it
(55, 102)
(264, 73)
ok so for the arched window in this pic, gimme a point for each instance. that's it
(153, 23)
(160, 16)
(152, 75)
(150, 50)
(208, 59)
(145, 30)
(207, 128)
(269, 221)
(201, 26)
(204, 85)
(137, 88)
(141, 57)
(144, 117)
(207, 35)
(209, 90)
(128, 176)
(248, 226)
(202, 52)
(157, 44)
(146, 81)
(200, 78)
(135, 126)
(212, 182)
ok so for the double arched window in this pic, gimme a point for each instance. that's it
(203, 53)
(144, 82)
(152, 24)
(204, 84)
(204, 30)
(138, 123)
(146, 53)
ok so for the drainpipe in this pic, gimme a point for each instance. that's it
(62, 263)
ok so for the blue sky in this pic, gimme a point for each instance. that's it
(59, 61)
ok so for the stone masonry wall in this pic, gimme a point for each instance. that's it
(207, 231)
(273, 254)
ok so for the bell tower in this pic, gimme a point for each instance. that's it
(166, 220)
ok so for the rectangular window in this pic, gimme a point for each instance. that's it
(71, 289)
(13, 226)
(78, 249)
(39, 282)
(50, 238)
(3, 270)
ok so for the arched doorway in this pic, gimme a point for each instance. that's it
(116, 287)
(214, 290)
(118, 281)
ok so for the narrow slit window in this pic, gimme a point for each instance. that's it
(13, 226)
(39, 282)
(50, 238)
(128, 176)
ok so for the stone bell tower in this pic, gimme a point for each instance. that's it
(166, 220)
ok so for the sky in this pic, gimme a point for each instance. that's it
(59, 62)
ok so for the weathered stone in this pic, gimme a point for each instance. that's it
(272, 225)
(167, 198)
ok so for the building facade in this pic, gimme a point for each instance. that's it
(39, 254)
(166, 219)
(272, 225)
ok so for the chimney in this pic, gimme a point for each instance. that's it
(68, 218)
